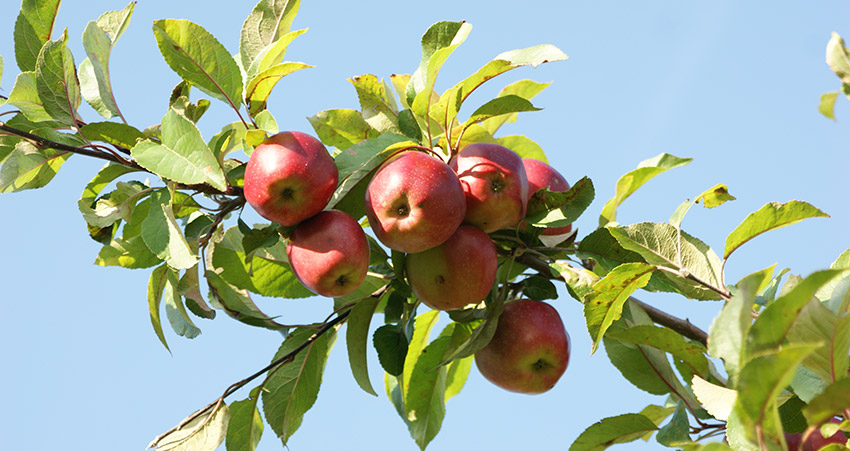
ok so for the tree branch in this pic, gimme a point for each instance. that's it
(682, 326)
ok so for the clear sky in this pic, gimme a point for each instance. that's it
(731, 84)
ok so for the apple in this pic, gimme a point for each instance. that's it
(541, 175)
(458, 272)
(529, 351)
(494, 183)
(329, 253)
(414, 202)
(290, 177)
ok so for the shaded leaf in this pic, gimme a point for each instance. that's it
(131, 253)
(728, 333)
(391, 343)
(24, 96)
(115, 133)
(175, 311)
(579, 281)
(670, 342)
(197, 56)
(631, 181)
(163, 236)
(421, 333)
(156, 285)
(246, 425)
(816, 323)
(56, 81)
(99, 38)
(357, 338)
(676, 430)
(771, 216)
(238, 304)
(558, 209)
(833, 401)
(376, 103)
(291, 389)
(268, 21)
(33, 28)
(424, 400)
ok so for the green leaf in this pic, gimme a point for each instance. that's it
(499, 106)
(668, 341)
(527, 89)
(356, 166)
(114, 206)
(837, 58)
(551, 209)
(579, 280)
(718, 401)
(196, 56)
(827, 104)
(762, 379)
(390, 342)
(836, 293)
(631, 181)
(438, 42)
(156, 285)
(663, 245)
(728, 333)
(421, 333)
(272, 54)
(834, 399)
(376, 103)
(605, 304)
(32, 30)
(675, 431)
(115, 133)
(341, 128)
(356, 340)
(457, 370)
(539, 288)
(291, 389)
(771, 216)
(182, 156)
(610, 431)
(424, 400)
(99, 38)
(163, 236)
(807, 385)
(816, 323)
(56, 81)
(268, 22)
(715, 196)
(268, 273)
(204, 433)
(408, 125)
(175, 311)
(24, 96)
(774, 322)
(260, 87)
(246, 425)
(479, 337)
(131, 253)
(522, 145)
(28, 167)
(238, 304)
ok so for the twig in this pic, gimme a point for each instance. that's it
(661, 317)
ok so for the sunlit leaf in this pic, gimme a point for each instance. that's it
(827, 104)
(99, 38)
(558, 209)
(833, 401)
(268, 22)
(204, 433)
(357, 339)
(424, 400)
(670, 342)
(28, 167)
(156, 285)
(115, 133)
(163, 236)
(728, 332)
(197, 56)
(527, 89)
(182, 156)
(56, 81)
(341, 128)
(260, 87)
(175, 311)
(837, 58)
(604, 304)
(376, 103)
(579, 280)
(631, 181)
(769, 217)
(816, 323)
(717, 400)
(24, 96)
(610, 431)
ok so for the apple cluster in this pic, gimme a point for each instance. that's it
(440, 215)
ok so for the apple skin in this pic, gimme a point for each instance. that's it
(494, 183)
(290, 177)
(458, 272)
(414, 202)
(529, 351)
(540, 175)
(329, 253)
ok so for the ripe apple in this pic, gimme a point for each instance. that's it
(458, 272)
(290, 177)
(494, 183)
(414, 202)
(541, 175)
(329, 253)
(816, 441)
(529, 351)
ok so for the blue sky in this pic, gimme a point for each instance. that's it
(731, 84)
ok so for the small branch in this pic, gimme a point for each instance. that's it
(661, 317)
(45, 143)
(227, 207)
(683, 273)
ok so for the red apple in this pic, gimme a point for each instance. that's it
(329, 253)
(494, 183)
(816, 441)
(458, 272)
(529, 351)
(414, 202)
(290, 177)
(541, 175)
